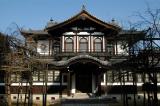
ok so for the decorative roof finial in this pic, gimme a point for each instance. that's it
(83, 7)
(51, 19)
(113, 20)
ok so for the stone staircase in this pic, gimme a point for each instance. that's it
(80, 96)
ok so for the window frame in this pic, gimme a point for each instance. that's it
(71, 43)
(82, 44)
(97, 43)
(50, 77)
(56, 77)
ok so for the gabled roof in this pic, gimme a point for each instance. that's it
(82, 19)
(84, 15)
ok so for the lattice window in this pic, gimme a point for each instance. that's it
(139, 77)
(41, 75)
(147, 77)
(56, 75)
(13, 77)
(50, 75)
(69, 45)
(83, 45)
(158, 77)
(130, 77)
(109, 76)
(18, 77)
(110, 47)
(35, 76)
(97, 45)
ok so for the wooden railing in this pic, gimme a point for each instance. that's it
(68, 53)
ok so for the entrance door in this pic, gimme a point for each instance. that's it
(84, 82)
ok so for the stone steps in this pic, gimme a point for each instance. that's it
(79, 96)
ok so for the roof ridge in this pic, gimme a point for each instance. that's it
(89, 16)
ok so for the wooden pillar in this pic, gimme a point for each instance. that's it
(60, 79)
(63, 41)
(60, 45)
(116, 48)
(99, 85)
(99, 81)
(69, 82)
(92, 43)
(49, 47)
(89, 41)
(103, 44)
(77, 42)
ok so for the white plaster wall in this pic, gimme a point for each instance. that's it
(118, 97)
(68, 33)
(35, 101)
(73, 89)
(121, 51)
(83, 33)
(39, 83)
(43, 42)
(104, 81)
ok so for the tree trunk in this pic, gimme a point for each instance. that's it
(8, 85)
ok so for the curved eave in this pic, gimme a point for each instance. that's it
(80, 58)
(128, 34)
(88, 16)
(33, 33)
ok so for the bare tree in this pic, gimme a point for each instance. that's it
(150, 57)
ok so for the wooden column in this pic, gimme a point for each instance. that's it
(49, 47)
(69, 82)
(99, 84)
(103, 44)
(116, 48)
(60, 92)
(63, 40)
(77, 43)
(89, 41)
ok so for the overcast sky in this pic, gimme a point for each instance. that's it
(35, 14)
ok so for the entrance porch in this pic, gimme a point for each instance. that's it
(81, 74)
(84, 77)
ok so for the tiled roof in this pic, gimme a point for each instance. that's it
(87, 15)
(39, 32)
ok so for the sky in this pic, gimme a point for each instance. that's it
(34, 14)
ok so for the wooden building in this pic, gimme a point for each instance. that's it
(80, 54)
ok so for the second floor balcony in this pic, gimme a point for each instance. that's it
(71, 52)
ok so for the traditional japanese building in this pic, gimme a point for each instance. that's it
(80, 54)
(79, 50)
